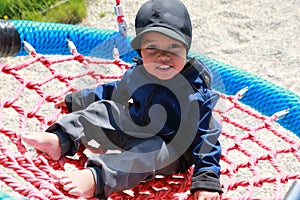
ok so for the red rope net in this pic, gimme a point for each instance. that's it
(259, 158)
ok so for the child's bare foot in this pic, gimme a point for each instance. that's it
(45, 142)
(79, 183)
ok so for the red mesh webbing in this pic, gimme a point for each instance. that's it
(259, 159)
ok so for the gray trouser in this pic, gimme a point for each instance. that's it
(106, 125)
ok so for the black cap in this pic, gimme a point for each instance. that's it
(168, 17)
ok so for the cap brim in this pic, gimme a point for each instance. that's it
(136, 42)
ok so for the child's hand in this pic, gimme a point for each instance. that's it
(206, 195)
(61, 104)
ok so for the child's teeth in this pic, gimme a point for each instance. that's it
(163, 67)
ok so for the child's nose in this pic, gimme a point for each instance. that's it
(164, 55)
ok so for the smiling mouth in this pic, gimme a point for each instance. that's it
(164, 67)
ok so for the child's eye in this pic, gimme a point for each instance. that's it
(174, 46)
(151, 47)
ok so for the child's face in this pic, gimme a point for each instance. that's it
(163, 57)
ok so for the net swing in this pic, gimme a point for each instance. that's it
(260, 138)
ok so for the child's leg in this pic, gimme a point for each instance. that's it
(107, 173)
(100, 125)
(147, 158)
(82, 127)
(43, 141)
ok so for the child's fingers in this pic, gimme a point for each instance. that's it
(60, 103)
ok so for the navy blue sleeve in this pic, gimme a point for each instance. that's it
(81, 99)
(116, 91)
(207, 148)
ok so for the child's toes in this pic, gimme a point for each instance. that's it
(65, 181)
(75, 192)
(70, 186)
(58, 175)
(26, 136)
